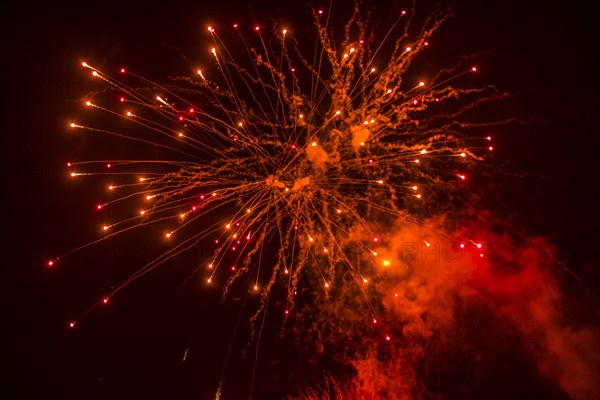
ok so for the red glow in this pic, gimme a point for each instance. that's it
(122, 70)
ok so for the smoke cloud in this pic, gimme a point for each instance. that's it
(453, 309)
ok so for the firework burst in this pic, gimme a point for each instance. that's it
(289, 162)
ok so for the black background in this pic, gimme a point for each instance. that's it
(543, 51)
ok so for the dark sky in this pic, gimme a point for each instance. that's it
(544, 51)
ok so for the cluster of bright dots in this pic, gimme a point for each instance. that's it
(238, 230)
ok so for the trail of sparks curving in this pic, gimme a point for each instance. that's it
(281, 160)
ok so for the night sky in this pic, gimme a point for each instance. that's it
(544, 52)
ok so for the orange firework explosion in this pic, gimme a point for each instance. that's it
(287, 163)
